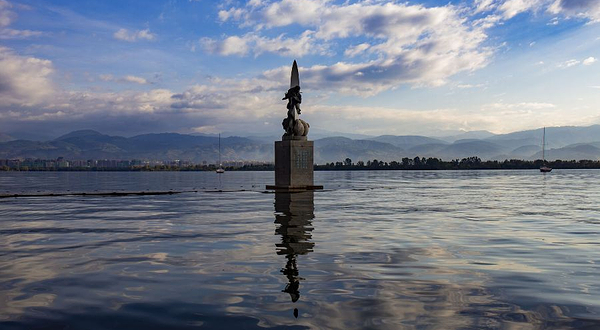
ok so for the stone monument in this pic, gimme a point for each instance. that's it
(294, 153)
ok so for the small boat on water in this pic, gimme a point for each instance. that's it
(544, 168)
(220, 170)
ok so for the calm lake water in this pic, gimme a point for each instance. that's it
(375, 250)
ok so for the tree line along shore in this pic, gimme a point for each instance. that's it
(417, 163)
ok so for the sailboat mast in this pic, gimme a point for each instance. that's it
(544, 146)
(219, 149)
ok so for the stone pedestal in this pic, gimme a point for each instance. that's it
(294, 164)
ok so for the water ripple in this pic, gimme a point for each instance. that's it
(379, 250)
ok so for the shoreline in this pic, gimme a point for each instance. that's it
(316, 169)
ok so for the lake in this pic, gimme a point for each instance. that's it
(374, 250)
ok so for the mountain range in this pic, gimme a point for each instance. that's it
(566, 143)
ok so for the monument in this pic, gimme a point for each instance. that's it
(294, 153)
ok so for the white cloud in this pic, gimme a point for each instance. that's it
(468, 86)
(496, 117)
(488, 21)
(411, 43)
(285, 12)
(131, 36)
(405, 44)
(23, 80)
(211, 102)
(356, 50)
(287, 46)
(211, 107)
(233, 45)
(589, 9)
(484, 5)
(7, 17)
(553, 21)
(107, 77)
(519, 107)
(586, 9)
(380, 120)
(573, 62)
(569, 63)
(510, 117)
(126, 79)
(511, 8)
(233, 13)
(137, 80)
(589, 61)
(18, 34)
(255, 44)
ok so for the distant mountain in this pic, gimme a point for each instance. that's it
(564, 143)
(339, 148)
(468, 148)
(406, 141)
(577, 151)
(5, 138)
(426, 150)
(556, 137)
(90, 142)
(467, 135)
(523, 152)
(164, 146)
(315, 134)
(80, 134)
(32, 136)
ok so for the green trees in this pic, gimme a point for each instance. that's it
(467, 163)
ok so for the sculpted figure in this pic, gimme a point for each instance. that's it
(294, 99)
(292, 125)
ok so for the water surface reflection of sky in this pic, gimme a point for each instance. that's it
(379, 250)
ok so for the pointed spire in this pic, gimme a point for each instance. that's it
(295, 79)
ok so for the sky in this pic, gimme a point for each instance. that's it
(422, 67)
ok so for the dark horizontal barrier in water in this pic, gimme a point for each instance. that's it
(115, 193)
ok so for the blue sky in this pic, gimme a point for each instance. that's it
(372, 67)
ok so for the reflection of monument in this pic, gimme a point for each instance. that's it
(294, 153)
(294, 213)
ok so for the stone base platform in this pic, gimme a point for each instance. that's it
(294, 165)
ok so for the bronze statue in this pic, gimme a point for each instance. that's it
(292, 125)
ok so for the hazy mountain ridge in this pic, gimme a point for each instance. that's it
(406, 141)
(5, 138)
(562, 143)
(339, 148)
(163, 146)
(467, 135)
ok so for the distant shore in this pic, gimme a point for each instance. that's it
(470, 163)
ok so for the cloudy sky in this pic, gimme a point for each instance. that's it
(370, 67)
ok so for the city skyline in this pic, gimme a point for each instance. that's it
(368, 67)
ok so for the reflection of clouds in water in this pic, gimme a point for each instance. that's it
(409, 296)
(421, 251)
(18, 285)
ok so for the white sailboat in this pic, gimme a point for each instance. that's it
(220, 169)
(544, 168)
